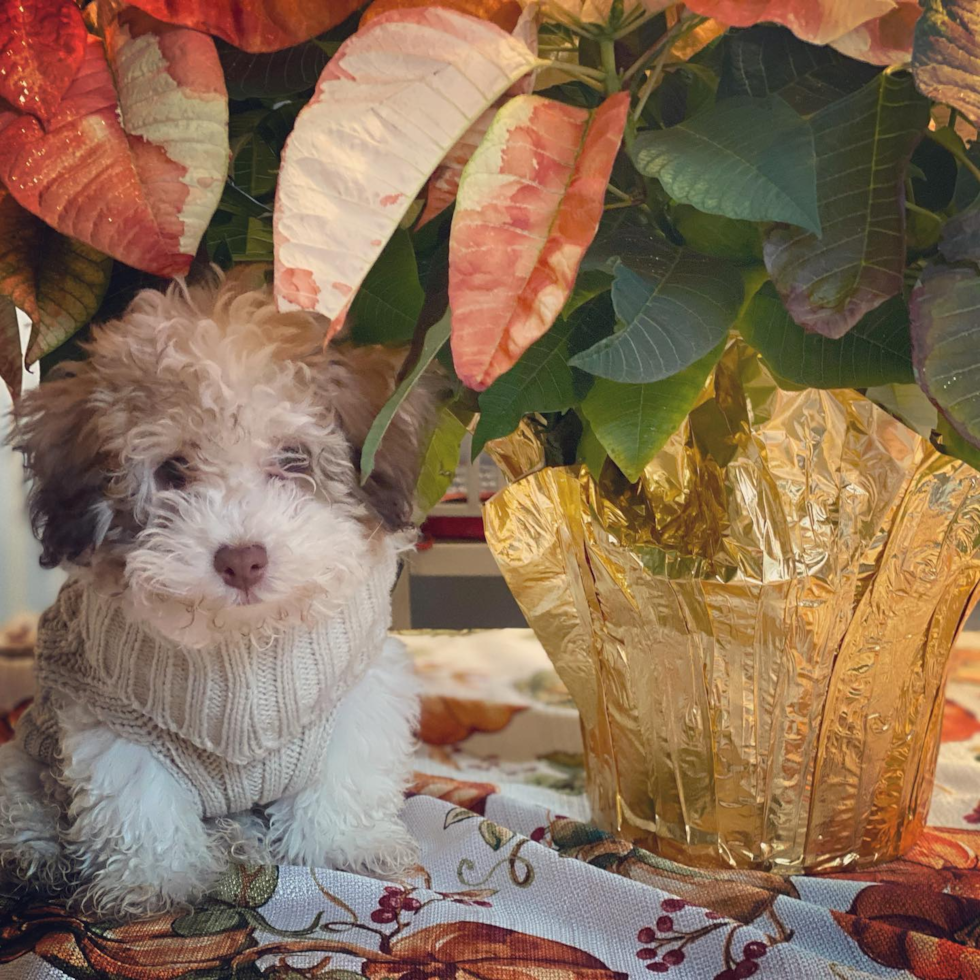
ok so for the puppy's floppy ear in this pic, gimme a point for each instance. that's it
(356, 382)
(55, 429)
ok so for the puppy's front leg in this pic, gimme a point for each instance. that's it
(135, 839)
(349, 819)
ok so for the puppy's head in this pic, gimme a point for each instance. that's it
(202, 462)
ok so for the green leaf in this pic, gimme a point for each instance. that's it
(591, 451)
(909, 404)
(961, 237)
(945, 341)
(388, 303)
(588, 285)
(946, 54)
(953, 444)
(276, 73)
(765, 60)
(495, 835)
(439, 462)
(435, 340)
(246, 885)
(11, 359)
(745, 158)
(863, 145)
(57, 281)
(717, 236)
(542, 380)
(239, 238)
(634, 421)
(674, 315)
(877, 351)
(457, 815)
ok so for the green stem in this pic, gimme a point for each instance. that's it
(590, 76)
(681, 29)
(607, 51)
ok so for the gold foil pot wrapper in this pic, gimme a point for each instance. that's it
(757, 632)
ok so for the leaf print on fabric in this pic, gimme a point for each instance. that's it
(912, 929)
(939, 861)
(477, 951)
(460, 792)
(448, 720)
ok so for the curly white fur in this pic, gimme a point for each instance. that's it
(265, 430)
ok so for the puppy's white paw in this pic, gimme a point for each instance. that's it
(31, 851)
(386, 850)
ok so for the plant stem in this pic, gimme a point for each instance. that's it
(682, 28)
(590, 76)
(607, 51)
(622, 195)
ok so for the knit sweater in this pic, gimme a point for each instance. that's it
(236, 722)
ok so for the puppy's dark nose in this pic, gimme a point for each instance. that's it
(241, 567)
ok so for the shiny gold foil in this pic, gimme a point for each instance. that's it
(757, 632)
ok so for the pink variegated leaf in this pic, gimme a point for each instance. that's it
(133, 161)
(886, 40)
(42, 43)
(529, 203)
(389, 105)
(816, 21)
(444, 182)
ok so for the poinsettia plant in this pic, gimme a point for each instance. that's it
(573, 205)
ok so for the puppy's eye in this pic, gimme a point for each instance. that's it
(172, 473)
(294, 459)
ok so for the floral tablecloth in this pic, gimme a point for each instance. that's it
(514, 885)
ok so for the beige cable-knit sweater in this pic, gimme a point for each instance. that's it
(237, 723)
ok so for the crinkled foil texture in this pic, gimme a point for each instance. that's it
(757, 632)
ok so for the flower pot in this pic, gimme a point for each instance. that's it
(757, 632)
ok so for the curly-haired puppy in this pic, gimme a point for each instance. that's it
(215, 674)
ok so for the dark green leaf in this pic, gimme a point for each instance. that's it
(674, 314)
(11, 359)
(635, 421)
(684, 92)
(877, 351)
(766, 60)
(435, 339)
(863, 145)
(961, 237)
(277, 73)
(439, 461)
(588, 285)
(388, 302)
(953, 444)
(946, 54)
(241, 237)
(541, 380)
(718, 236)
(945, 342)
(746, 158)
(591, 451)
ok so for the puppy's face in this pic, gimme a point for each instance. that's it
(203, 463)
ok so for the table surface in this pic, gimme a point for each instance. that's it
(514, 885)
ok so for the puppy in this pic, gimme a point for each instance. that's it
(216, 674)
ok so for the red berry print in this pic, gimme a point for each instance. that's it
(537, 835)
(755, 950)
(647, 935)
(657, 967)
(646, 954)
(746, 969)
(665, 924)
(674, 957)
(383, 916)
(673, 904)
